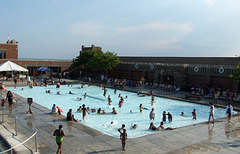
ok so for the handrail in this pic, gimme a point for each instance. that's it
(34, 134)
(20, 143)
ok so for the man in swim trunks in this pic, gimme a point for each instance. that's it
(123, 138)
(59, 133)
(164, 116)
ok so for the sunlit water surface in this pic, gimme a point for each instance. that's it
(102, 123)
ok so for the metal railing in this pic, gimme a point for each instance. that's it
(16, 122)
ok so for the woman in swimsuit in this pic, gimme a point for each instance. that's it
(152, 114)
(211, 113)
(162, 127)
(59, 133)
(152, 127)
(10, 99)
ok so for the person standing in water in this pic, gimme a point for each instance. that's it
(59, 133)
(164, 116)
(141, 107)
(229, 110)
(194, 114)
(84, 111)
(105, 91)
(152, 114)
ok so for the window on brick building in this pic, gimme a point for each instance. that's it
(4, 54)
(0, 54)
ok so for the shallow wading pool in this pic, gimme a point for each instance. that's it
(102, 123)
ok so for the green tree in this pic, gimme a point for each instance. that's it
(96, 60)
(236, 74)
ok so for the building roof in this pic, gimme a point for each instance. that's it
(184, 60)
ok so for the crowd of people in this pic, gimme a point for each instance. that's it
(123, 134)
(215, 93)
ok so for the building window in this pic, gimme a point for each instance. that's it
(4, 54)
(0, 54)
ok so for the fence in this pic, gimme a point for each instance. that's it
(26, 136)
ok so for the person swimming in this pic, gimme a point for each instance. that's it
(79, 109)
(114, 111)
(194, 114)
(169, 117)
(134, 126)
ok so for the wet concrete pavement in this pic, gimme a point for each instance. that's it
(220, 137)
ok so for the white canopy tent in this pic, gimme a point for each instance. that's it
(10, 66)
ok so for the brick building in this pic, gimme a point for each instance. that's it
(9, 51)
(183, 71)
(84, 49)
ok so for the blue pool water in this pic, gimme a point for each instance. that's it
(102, 123)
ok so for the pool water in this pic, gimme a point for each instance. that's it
(102, 123)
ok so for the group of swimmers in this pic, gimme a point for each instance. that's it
(194, 114)
(164, 115)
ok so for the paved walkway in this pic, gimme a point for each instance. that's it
(221, 137)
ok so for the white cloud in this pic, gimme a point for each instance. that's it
(86, 29)
(155, 35)
(157, 27)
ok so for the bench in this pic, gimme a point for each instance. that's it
(193, 96)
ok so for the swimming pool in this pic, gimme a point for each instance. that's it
(102, 123)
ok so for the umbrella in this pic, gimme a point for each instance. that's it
(43, 69)
(10, 66)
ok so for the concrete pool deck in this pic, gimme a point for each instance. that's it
(220, 137)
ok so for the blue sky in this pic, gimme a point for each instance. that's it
(56, 29)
